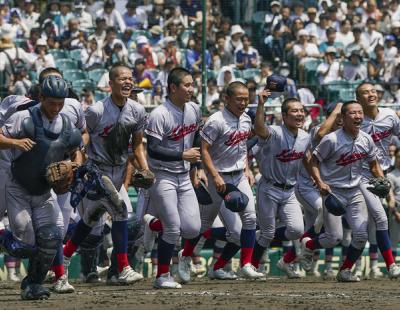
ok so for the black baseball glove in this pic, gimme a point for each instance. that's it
(380, 187)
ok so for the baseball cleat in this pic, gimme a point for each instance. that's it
(375, 273)
(113, 280)
(198, 270)
(329, 274)
(12, 275)
(184, 267)
(248, 271)
(92, 277)
(128, 275)
(306, 256)
(221, 274)
(165, 281)
(288, 269)
(346, 275)
(394, 271)
(62, 286)
(35, 292)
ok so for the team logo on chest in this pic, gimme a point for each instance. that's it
(289, 155)
(347, 159)
(380, 135)
(236, 137)
(106, 131)
(181, 131)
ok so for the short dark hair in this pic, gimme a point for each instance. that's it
(286, 102)
(176, 76)
(330, 30)
(230, 90)
(346, 105)
(46, 72)
(112, 74)
(361, 85)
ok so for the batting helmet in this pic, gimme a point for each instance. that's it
(234, 199)
(55, 87)
(334, 206)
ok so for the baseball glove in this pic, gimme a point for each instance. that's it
(60, 176)
(143, 178)
(380, 187)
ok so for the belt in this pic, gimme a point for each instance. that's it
(232, 173)
(284, 187)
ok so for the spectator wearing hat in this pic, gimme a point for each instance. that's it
(92, 55)
(194, 58)
(84, 18)
(234, 41)
(304, 50)
(169, 51)
(273, 17)
(225, 77)
(355, 70)
(112, 16)
(331, 42)
(395, 30)
(371, 38)
(29, 16)
(345, 35)
(144, 51)
(65, 14)
(311, 25)
(111, 40)
(42, 59)
(156, 35)
(358, 44)
(329, 71)
(391, 51)
(18, 27)
(247, 57)
(100, 30)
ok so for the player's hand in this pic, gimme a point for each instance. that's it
(192, 155)
(194, 178)
(263, 96)
(201, 175)
(219, 184)
(25, 144)
(250, 177)
(324, 189)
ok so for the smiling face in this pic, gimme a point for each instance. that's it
(353, 118)
(294, 117)
(122, 84)
(183, 92)
(367, 96)
(238, 100)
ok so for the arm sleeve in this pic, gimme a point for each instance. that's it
(210, 131)
(92, 118)
(251, 143)
(323, 149)
(156, 151)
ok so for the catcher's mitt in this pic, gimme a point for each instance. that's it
(143, 178)
(380, 187)
(60, 176)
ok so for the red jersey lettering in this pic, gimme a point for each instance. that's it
(181, 131)
(106, 131)
(347, 159)
(377, 136)
(289, 155)
(236, 137)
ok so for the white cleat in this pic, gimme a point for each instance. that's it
(375, 273)
(198, 270)
(221, 274)
(165, 281)
(62, 286)
(184, 263)
(12, 275)
(394, 271)
(248, 271)
(288, 269)
(346, 275)
(329, 274)
(306, 256)
(128, 275)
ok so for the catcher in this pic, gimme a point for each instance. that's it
(37, 137)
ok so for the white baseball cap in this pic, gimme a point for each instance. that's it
(302, 32)
(236, 29)
(142, 40)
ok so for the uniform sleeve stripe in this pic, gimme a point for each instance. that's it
(206, 137)
(153, 134)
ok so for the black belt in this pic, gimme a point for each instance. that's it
(285, 187)
(232, 173)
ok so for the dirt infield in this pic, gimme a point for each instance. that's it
(275, 293)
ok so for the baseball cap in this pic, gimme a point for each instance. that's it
(236, 29)
(202, 194)
(142, 40)
(302, 32)
(276, 82)
(275, 3)
(234, 199)
(334, 205)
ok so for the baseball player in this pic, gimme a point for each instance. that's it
(224, 153)
(37, 137)
(381, 124)
(171, 133)
(336, 168)
(110, 123)
(394, 203)
(282, 152)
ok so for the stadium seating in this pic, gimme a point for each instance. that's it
(66, 64)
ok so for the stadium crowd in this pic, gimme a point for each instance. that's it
(324, 48)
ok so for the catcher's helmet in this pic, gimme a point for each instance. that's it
(55, 87)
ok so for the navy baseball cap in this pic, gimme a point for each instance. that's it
(334, 205)
(276, 82)
(202, 194)
(234, 199)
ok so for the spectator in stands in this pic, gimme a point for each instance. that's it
(29, 16)
(42, 59)
(31, 42)
(275, 45)
(20, 83)
(298, 12)
(355, 70)
(79, 42)
(177, 18)
(391, 51)
(156, 35)
(371, 38)
(144, 51)
(194, 59)
(304, 51)
(273, 18)
(324, 24)
(331, 42)
(70, 34)
(266, 71)
(246, 57)
(62, 18)
(212, 92)
(225, 76)
(112, 16)
(378, 68)
(395, 30)
(371, 11)
(394, 88)
(169, 51)
(156, 16)
(312, 25)
(221, 57)
(234, 42)
(333, 17)
(358, 44)
(131, 18)
(329, 71)
(191, 8)
(252, 87)
(84, 18)
(92, 55)
(103, 84)
(163, 74)
(157, 94)
(394, 11)
(127, 38)
(297, 25)
(118, 54)
(92, 7)
(18, 27)
(87, 98)
(345, 35)
(142, 76)
(100, 31)
(110, 40)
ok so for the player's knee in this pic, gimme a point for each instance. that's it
(249, 220)
(294, 232)
(334, 238)
(48, 237)
(360, 238)
(191, 231)
(234, 237)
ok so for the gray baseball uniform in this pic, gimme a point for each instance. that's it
(282, 155)
(394, 225)
(227, 135)
(341, 165)
(173, 195)
(110, 129)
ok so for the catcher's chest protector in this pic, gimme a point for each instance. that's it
(29, 169)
